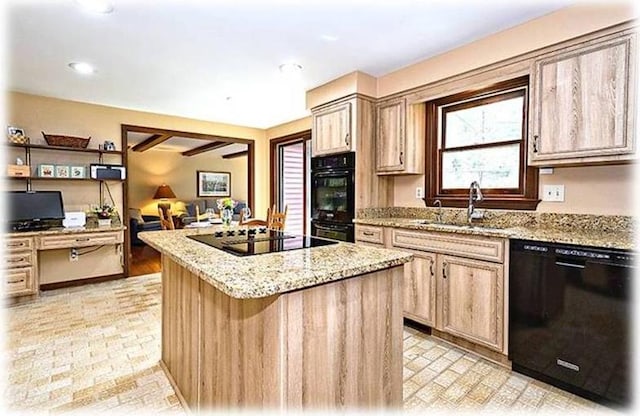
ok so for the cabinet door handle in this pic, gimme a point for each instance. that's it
(535, 143)
(431, 267)
(20, 260)
(346, 139)
(444, 270)
(369, 233)
(401, 158)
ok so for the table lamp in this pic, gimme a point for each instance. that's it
(163, 193)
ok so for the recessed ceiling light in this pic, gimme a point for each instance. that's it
(82, 67)
(96, 6)
(329, 38)
(290, 68)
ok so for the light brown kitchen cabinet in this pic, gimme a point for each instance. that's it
(20, 267)
(399, 138)
(331, 131)
(455, 284)
(583, 104)
(472, 300)
(420, 288)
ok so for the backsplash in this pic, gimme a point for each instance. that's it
(506, 218)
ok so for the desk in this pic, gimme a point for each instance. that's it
(21, 268)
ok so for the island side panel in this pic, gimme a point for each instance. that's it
(180, 330)
(242, 351)
(344, 343)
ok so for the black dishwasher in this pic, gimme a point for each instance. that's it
(570, 318)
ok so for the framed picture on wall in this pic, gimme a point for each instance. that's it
(77, 172)
(62, 171)
(213, 183)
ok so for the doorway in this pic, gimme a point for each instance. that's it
(175, 162)
(291, 179)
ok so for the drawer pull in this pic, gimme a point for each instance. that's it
(20, 260)
(15, 281)
(16, 244)
(369, 233)
(83, 239)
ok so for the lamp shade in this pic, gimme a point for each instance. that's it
(164, 191)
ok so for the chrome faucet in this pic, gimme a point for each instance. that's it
(438, 203)
(475, 195)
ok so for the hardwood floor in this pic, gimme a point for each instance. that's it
(144, 260)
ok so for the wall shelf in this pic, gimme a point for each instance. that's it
(63, 148)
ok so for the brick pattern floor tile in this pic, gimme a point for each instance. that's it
(96, 348)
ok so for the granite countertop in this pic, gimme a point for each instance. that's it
(268, 274)
(63, 230)
(586, 237)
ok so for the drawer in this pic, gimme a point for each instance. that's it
(19, 281)
(18, 243)
(23, 259)
(370, 234)
(482, 248)
(51, 242)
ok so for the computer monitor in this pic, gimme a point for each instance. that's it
(32, 207)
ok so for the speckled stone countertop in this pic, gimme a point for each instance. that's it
(268, 274)
(62, 230)
(587, 230)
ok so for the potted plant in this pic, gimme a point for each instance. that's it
(104, 213)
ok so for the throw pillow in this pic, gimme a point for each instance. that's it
(136, 213)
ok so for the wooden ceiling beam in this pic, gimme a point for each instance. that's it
(205, 148)
(152, 141)
(234, 155)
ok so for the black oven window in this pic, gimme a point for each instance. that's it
(332, 194)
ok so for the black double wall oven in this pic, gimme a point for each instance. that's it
(333, 196)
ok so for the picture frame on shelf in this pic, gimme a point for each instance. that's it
(211, 184)
(62, 171)
(77, 172)
(46, 170)
(15, 131)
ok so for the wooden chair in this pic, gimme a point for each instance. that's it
(166, 219)
(275, 219)
(253, 222)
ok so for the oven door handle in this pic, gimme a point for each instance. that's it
(331, 228)
(331, 175)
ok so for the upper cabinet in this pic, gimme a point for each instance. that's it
(399, 147)
(331, 131)
(583, 104)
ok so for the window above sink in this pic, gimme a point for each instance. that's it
(480, 135)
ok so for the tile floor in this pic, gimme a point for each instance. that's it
(96, 347)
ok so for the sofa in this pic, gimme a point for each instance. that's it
(190, 215)
(139, 222)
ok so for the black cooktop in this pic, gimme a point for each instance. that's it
(258, 241)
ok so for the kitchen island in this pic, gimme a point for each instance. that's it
(314, 328)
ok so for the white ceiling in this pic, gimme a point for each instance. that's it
(185, 57)
(181, 144)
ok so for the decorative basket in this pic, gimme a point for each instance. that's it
(66, 141)
(18, 139)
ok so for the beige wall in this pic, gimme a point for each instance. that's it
(37, 113)
(291, 127)
(148, 170)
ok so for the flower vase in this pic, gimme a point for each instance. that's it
(104, 222)
(226, 215)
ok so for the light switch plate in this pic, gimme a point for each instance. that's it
(553, 193)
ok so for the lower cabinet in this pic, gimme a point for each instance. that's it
(472, 300)
(458, 295)
(20, 267)
(420, 288)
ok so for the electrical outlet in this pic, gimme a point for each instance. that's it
(419, 193)
(73, 254)
(553, 193)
